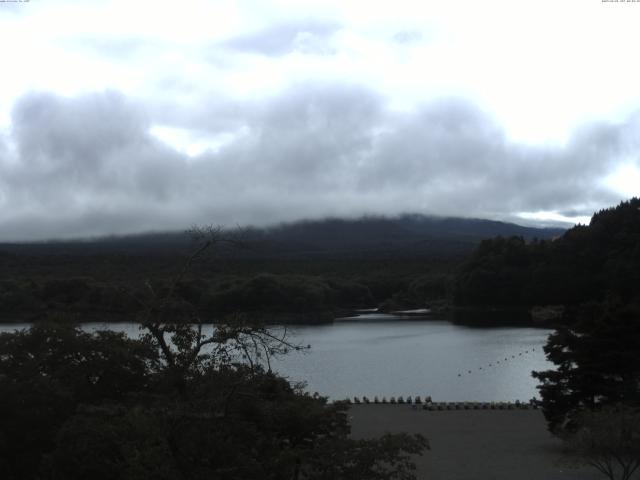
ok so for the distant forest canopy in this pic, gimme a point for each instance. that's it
(588, 263)
(322, 267)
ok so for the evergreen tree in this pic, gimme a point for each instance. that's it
(597, 363)
(586, 264)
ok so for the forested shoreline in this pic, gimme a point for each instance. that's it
(301, 272)
(287, 283)
(589, 263)
(289, 293)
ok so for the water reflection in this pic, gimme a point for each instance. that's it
(408, 357)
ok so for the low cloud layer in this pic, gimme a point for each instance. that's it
(88, 165)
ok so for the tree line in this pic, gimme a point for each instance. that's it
(587, 263)
(592, 396)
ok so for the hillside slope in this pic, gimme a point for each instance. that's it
(587, 263)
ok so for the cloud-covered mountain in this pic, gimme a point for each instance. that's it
(89, 164)
(408, 234)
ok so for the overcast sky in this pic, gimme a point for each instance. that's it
(121, 116)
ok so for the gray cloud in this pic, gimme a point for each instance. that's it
(307, 36)
(113, 47)
(88, 165)
(79, 157)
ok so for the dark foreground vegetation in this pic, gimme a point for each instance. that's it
(175, 404)
(76, 405)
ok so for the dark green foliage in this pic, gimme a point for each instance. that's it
(597, 363)
(285, 293)
(111, 443)
(31, 412)
(594, 270)
(47, 371)
(89, 299)
(266, 292)
(348, 293)
(76, 405)
(585, 264)
(102, 366)
(431, 287)
(362, 262)
(496, 275)
(15, 297)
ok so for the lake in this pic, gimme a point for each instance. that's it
(385, 355)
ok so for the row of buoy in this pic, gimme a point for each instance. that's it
(409, 400)
(517, 405)
(432, 406)
(497, 362)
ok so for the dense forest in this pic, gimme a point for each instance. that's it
(302, 272)
(313, 271)
(587, 263)
(592, 395)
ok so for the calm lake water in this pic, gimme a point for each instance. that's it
(388, 356)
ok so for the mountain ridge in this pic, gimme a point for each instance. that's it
(408, 231)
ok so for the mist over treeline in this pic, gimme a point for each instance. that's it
(412, 231)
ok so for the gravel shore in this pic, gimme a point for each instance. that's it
(474, 444)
